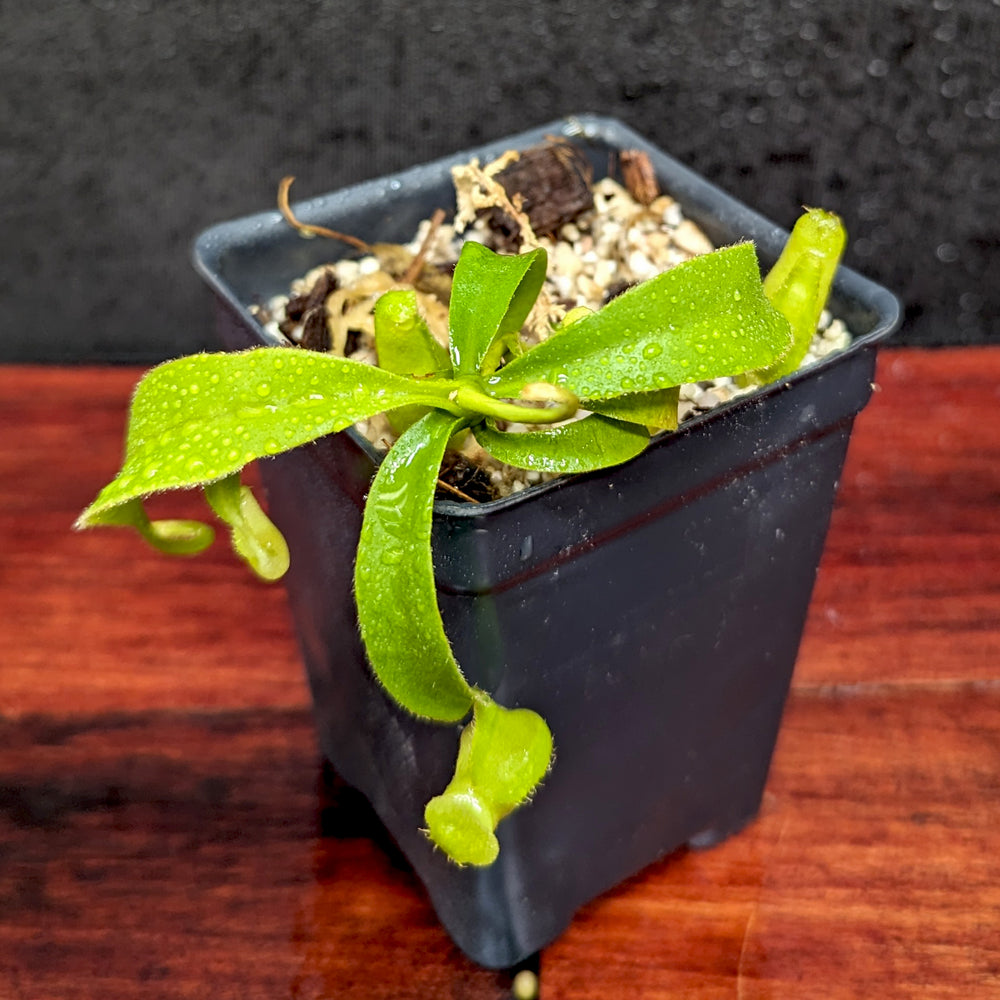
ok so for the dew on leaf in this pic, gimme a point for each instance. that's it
(652, 351)
(263, 389)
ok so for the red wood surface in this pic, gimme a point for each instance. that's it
(166, 831)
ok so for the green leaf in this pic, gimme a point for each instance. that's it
(702, 319)
(503, 755)
(254, 536)
(204, 417)
(655, 410)
(491, 296)
(404, 344)
(394, 578)
(595, 442)
(799, 283)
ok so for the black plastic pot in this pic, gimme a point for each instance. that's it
(651, 613)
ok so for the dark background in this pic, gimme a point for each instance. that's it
(130, 125)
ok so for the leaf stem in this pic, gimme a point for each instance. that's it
(565, 403)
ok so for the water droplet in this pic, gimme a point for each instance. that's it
(263, 389)
(947, 253)
(736, 295)
(653, 350)
(392, 557)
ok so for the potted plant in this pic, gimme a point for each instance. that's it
(644, 609)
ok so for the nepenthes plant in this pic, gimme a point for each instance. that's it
(590, 396)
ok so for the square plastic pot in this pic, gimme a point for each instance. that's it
(652, 613)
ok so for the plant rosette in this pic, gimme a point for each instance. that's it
(591, 394)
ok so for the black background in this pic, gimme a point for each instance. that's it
(130, 125)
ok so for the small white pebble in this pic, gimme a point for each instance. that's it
(640, 265)
(604, 273)
(691, 239)
(347, 272)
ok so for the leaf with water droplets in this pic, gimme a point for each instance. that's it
(702, 319)
(394, 578)
(406, 346)
(403, 341)
(491, 296)
(200, 418)
(595, 442)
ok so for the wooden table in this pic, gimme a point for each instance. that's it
(166, 830)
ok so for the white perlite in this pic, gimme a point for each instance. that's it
(604, 250)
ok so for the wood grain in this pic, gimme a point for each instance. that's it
(166, 829)
(96, 616)
(909, 585)
(873, 870)
(198, 855)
